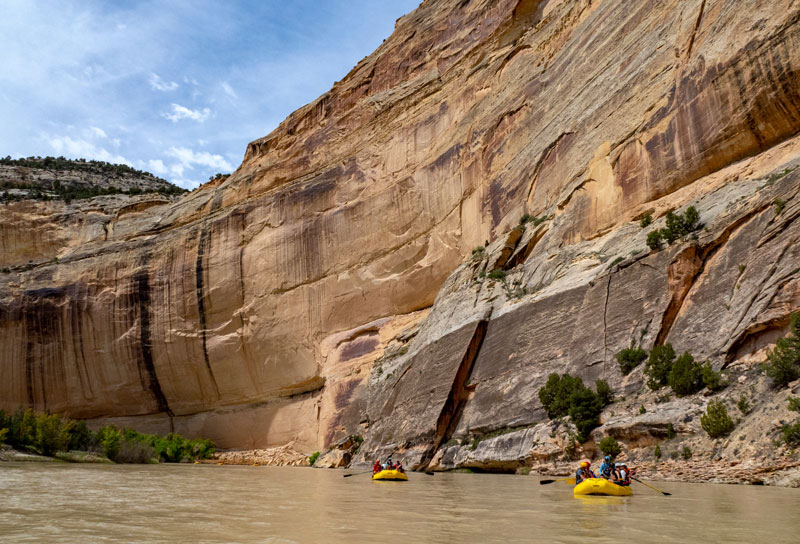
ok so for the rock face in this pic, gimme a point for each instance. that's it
(329, 287)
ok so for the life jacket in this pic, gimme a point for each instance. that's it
(582, 474)
(624, 477)
(607, 470)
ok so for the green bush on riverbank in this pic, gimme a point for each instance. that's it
(48, 433)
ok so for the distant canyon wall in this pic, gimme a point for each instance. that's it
(253, 311)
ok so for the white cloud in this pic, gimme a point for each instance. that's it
(189, 159)
(159, 84)
(182, 112)
(157, 167)
(229, 90)
(80, 148)
(99, 132)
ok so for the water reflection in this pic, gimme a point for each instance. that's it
(209, 503)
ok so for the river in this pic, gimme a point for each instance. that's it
(55, 502)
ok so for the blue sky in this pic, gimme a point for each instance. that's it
(177, 88)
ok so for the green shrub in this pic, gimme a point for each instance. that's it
(674, 454)
(51, 436)
(712, 379)
(783, 362)
(609, 446)
(743, 405)
(794, 404)
(779, 205)
(3, 434)
(646, 220)
(686, 453)
(791, 434)
(686, 376)
(604, 392)
(642, 409)
(654, 240)
(110, 439)
(630, 358)
(80, 437)
(678, 226)
(670, 431)
(716, 421)
(313, 458)
(555, 395)
(658, 366)
(657, 452)
(566, 395)
(498, 274)
(478, 252)
(584, 411)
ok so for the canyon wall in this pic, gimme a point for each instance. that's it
(328, 287)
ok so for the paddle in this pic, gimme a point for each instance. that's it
(356, 473)
(651, 487)
(568, 480)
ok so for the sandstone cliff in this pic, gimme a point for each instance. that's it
(254, 311)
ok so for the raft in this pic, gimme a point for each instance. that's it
(601, 486)
(390, 475)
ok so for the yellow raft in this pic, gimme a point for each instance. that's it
(601, 486)
(390, 475)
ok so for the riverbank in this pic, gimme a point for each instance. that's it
(11, 455)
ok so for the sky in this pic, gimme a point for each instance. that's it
(176, 88)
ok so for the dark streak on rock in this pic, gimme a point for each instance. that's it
(453, 407)
(147, 369)
(201, 306)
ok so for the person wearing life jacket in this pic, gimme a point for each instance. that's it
(607, 469)
(388, 465)
(376, 468)
(399, 466)
(623, 475)
(583, 472)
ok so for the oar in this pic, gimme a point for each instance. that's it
(568, 480)
(356, 473)
(651, 487)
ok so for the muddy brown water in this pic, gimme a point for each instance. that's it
(48, 502)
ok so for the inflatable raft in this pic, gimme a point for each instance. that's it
(601, 486)
(390, 475)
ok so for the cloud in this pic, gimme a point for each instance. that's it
(80, 148)
(182, 112)
(99, 132)
(157, 167)
(229, 90)
(189, 159)
(159, 84)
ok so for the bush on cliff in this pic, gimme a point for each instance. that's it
(609, 446)
(630, 358)
(313, 458)
(565, 395)
(604, 391)
(659, 365)
(716, 421)
(791, 434)
(783, 362)
(686, 375)
(678, 226)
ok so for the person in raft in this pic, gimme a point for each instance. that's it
(607, 469)
(399, 466)
(376, 468)
(388, 465)
(583, 472)
(624, 475)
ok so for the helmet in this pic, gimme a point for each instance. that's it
(607, 458)
(585, 464)
(619, 465)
